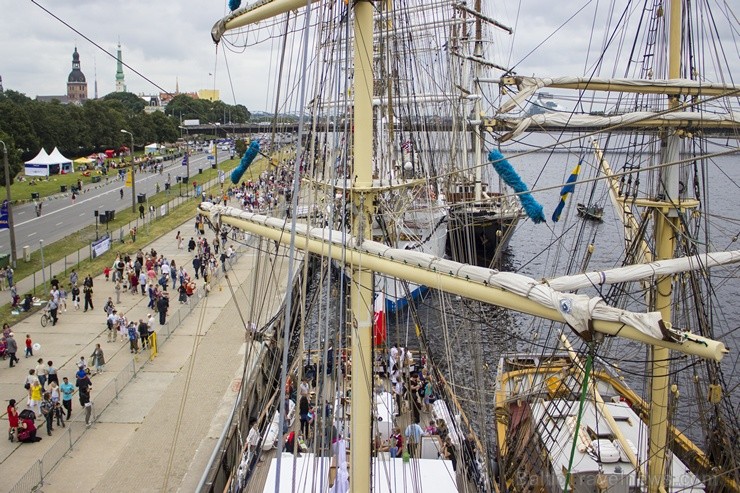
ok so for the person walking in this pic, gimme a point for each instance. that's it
(141, 211)
(51, 373)
(179, 239)
(98, 359)
(143, 333)
(67, 390)
(29, 346)
(42, 373)
(133, 337)
(75, 290)
(85, 386)
(173, 274)
(53, 310)
(12, 349)
(88, 298)
(163, 304)
(12, 420)
(35, 396)
(47, 411)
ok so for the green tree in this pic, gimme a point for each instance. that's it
(105, 122)
(131, 102)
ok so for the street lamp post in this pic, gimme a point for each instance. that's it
(11, 229)
(133, 173)
(96, 213)
(43, 265)
(187, 156)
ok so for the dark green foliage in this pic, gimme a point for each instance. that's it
(26, 125)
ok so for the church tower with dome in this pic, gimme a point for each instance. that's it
(76, 83)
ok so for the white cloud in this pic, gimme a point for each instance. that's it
(169, 41)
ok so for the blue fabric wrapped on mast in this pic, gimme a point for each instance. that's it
(570, 186)
(532, 208)
(247, 158)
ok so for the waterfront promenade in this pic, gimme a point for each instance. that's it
(155, 422)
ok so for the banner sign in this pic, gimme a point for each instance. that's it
(4, 215)
(185, 160)
(163, 210)
(101, 246)
(128, 179)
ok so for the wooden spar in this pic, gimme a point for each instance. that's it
(696, 345)
(665, 227)
(361, 289)
(617, 85)
(252, 14)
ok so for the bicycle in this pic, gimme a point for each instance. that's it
(45, 318)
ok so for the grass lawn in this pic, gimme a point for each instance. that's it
(50, 185)
(82, 238)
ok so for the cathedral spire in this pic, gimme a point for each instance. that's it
(76, 83)
(120, 83)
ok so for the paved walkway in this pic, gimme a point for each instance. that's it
(156, 423)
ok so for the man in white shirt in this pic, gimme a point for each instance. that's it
(304, 389)
(253, 439)
(413, 435)
(393, 359)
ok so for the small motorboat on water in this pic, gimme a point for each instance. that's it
(593, 212)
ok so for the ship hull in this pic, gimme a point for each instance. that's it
(479, 235)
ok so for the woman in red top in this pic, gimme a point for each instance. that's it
(12, 420)
(396, 442)
(27, 431)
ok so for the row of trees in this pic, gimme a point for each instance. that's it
(27, 125)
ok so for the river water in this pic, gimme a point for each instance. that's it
(469, 339)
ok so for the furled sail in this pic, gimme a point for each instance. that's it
(580, 312)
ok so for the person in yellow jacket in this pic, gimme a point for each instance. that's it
(35, 396)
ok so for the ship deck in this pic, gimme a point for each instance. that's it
(261, 479)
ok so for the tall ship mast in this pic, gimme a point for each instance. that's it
(371, 205)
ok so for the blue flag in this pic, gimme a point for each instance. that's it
(4, 215)
(570, 186)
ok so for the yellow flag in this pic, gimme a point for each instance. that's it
(128, 179)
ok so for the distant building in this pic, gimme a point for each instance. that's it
(76, 85)
(166, 97)
(120, 83)
(153, 103)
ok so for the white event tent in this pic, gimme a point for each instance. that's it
(48, 164)
(66, 164)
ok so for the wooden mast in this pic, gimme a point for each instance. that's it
(666, 222)
(361, 290)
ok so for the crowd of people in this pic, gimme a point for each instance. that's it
(147, 274)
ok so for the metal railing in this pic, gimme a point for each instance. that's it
(76, 428)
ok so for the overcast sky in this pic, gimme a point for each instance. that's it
(169, 41)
